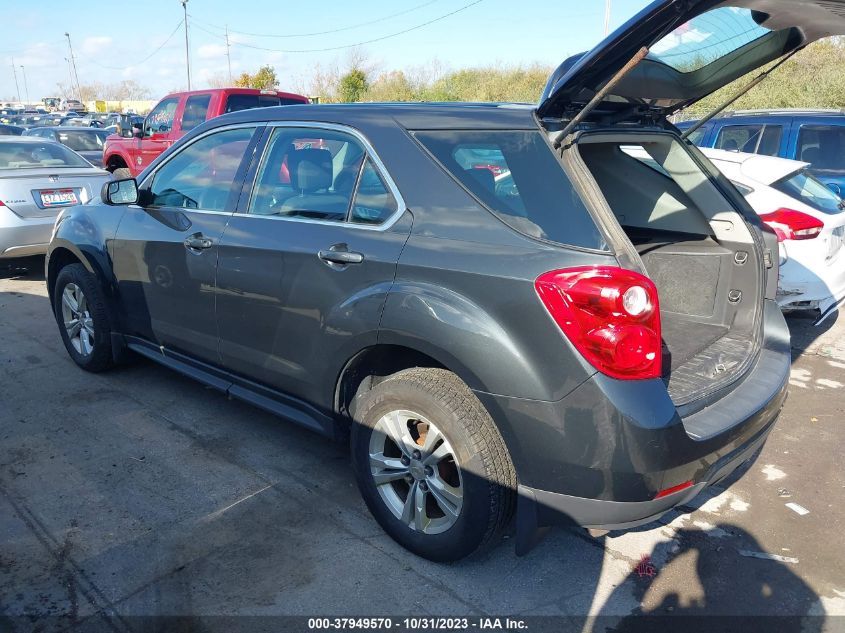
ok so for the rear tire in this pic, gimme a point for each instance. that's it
(446, 488)
(83, 318)
(121, 173)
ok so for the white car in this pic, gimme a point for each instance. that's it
(808, 218)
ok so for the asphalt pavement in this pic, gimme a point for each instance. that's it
(141, 493)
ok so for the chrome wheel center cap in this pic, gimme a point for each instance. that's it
(417, 470)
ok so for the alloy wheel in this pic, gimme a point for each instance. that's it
(416, 472)
(78, 322)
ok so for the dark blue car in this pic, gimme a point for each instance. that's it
(812, 136)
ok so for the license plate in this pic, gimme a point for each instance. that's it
(58, 197)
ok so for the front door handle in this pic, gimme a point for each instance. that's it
(198, 243)
(340, 257)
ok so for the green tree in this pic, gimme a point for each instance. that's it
(264, 79)
(352, 86)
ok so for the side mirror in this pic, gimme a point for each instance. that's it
(835, 188)
(120, 192)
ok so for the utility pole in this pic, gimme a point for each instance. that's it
(228, 57)
(187, 49)
(15, 73)
(606, 17)
(73, 64)
(25, 84)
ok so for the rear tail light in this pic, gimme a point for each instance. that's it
(611, 316)
(793, 225)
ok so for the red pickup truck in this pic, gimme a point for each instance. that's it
(127, 154)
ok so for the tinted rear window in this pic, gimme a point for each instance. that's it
(236, 103)
(515, 175)
(83, 140)
(35, 155)
(811, 191)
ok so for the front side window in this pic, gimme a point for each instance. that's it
(515, 174)
(823, 146)
(309, 174)
(160, 120)
(196, 109)
(201, 175)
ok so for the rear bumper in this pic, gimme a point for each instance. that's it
(599, 457)
(21, 237)
(802, 281)
(538, 509)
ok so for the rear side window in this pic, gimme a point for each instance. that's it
(196, 109)
(753, 139)
(235, 103)
(697, 137)
(373, 202)
(823, 146)
(516, 176)
(320, 174)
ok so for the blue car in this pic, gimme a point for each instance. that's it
(811, 136)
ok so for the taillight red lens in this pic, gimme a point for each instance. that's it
(793, 225)
(611, 316)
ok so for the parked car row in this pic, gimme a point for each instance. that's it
(815, 137)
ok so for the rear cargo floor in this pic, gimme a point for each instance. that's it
(685, 339)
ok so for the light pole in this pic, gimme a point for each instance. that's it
(73, 64)
(25, 85)
(187, 49)
(606, 17)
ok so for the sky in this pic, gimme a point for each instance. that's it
(146, 41)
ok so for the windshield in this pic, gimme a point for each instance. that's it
(811, 191)
(516, 176)
(35, 155)
(706, 38)
(83, 140)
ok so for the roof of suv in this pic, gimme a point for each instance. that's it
(739, 115)
(410, 115)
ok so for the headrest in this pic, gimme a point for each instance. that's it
(310, 169)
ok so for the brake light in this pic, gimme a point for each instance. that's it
(611, 316)
(793, 225)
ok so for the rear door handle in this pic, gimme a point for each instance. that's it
(198, 243)
(341, 257)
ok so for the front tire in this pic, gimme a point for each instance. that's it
(122, 173)
(431, 464)
(83, 318)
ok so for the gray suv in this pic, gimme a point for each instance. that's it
(561, 312)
